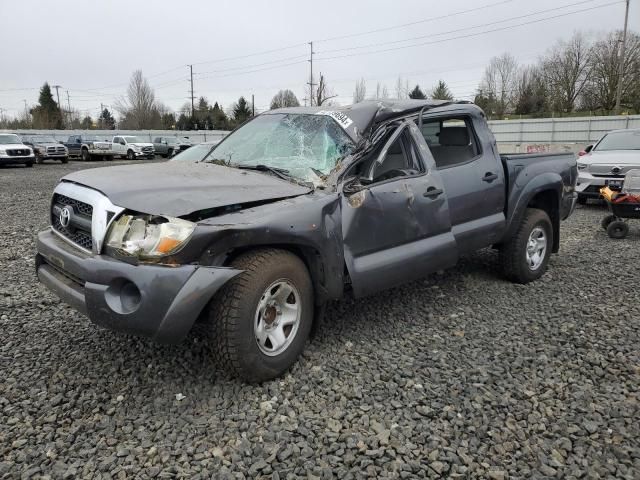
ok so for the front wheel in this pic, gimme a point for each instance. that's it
(582, 200)
(64, 159)
(86, 156)
(261, 319)
(39, 159)
(526, 255)
(131, 155)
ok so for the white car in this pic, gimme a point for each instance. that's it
(132, 147)
(13, 151)
(607, 162)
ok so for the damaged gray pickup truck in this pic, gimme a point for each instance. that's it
(293, 209)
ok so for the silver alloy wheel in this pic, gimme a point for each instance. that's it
(277, 317)
(536, 248)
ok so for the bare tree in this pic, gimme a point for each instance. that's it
(600, 91)
(138, 106)
(498, 83)
(322, 93)
(402, 88)
(566, 69)
(284, 98)
(382, 92)
(360, 92)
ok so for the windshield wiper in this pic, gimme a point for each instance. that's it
(282, 173)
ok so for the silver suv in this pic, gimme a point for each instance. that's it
(607, 162)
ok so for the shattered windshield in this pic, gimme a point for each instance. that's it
(307, 146)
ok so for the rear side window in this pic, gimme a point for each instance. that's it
(452, 141)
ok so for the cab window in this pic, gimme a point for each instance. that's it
(452, 141)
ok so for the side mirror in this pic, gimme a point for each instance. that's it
(586, 150)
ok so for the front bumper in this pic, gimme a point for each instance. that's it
(145, 154)
(16, 160)
(161, 302)
(590, 185)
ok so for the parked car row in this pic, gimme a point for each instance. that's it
(28, 149)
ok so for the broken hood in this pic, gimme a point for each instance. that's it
(179, 188)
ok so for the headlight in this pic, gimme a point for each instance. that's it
(149, 236)
(3, 151)
(582, 166)
(136, 148)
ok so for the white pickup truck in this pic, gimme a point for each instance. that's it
(132, 147)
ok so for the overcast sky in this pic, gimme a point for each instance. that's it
(91, 48)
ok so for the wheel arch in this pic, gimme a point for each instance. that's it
(325, 288)
(542, 192)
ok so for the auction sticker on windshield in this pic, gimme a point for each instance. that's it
(339, 117)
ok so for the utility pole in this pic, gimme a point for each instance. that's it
(253, 105)
(622, 53)
(69, 107)
(26, 109)
(311, 84)
(192, 107)
(57, 94)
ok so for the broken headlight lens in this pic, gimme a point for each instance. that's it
(149, 236)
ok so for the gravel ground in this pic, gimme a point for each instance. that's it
(462, 375)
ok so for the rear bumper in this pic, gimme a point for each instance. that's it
(568, 205)
(155, 301)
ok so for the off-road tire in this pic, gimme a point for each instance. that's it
(86, 156)
(618, 229)
(39, 159)
(582, 200)
(232, 314)
(513, 252)
(606, 221)
(64, 160)
(131, 155)
(170, 153)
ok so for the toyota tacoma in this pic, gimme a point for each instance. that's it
(298, 207)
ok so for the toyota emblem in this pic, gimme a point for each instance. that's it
(65, 216)
(616, 170)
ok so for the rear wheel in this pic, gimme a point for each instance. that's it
(618, 229)
(86, 156)
(606, 221)
(526, 255)
(261, 319)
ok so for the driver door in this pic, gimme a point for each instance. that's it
(397, 228)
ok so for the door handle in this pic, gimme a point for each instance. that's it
(489, 177)
(433, 192)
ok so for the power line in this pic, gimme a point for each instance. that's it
(508, 27)
(426, 20)
(431, 35)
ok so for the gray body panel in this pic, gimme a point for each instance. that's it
(185, 187)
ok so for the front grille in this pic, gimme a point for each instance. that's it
(79, 228)
(17, 152)
(51, 149)
(147, 149)
(609, 175)
(60, 149)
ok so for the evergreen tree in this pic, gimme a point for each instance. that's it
(441, 91)
(219, 120)
(241, 111)
(87, 123)
(106, 120)
(417, 93)
(47, 114)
